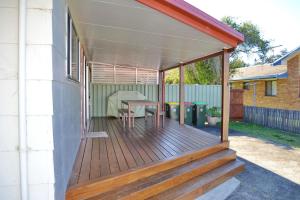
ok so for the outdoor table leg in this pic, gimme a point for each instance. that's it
(145, 113)
(157, 115)
(129, 119)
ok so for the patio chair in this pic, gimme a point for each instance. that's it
(152, 113)
(123, 114)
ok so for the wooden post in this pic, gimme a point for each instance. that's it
(225, 96)
(161, 90)
(181, 94)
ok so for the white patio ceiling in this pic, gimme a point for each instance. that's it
(126, 32)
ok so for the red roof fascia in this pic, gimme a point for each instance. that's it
(192, 16)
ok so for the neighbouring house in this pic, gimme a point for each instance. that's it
(274, 86)
(55, 54)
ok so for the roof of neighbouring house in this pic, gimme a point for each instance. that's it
(260, 72)
(282, 60)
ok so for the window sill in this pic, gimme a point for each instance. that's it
(270, 95)
(73, 80)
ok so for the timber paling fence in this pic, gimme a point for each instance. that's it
(287, 120)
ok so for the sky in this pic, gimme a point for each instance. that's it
(278, 20)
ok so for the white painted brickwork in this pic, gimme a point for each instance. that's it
(9, 155)
(53, 102)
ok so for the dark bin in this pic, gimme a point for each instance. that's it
(199, 114)
(172, 110)
(167, 109)
(188, 115)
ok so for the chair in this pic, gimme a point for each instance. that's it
(123, 114)
(152, 112)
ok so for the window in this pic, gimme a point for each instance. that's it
(271, 88)
(73, 54)
(246, 86)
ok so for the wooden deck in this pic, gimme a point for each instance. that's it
(127, 149)
(144, 162)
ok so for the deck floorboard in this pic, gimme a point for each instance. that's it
(129, 148)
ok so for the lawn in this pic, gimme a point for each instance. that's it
(275, 135)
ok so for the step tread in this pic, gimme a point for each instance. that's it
(170, 178)
(99, 186)
(201, 184)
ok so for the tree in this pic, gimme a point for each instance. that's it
(255, 44)
(172, 76)
(202, 72)
(208, 71)
(273, 57)
(236, 62)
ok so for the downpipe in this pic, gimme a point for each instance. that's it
(22, 101)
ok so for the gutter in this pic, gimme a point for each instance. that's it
(267, 77)
(22, 101)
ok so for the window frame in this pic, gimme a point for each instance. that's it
(271, 89)
(70, 29)
(246, 85)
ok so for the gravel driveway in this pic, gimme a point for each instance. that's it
(272, 170)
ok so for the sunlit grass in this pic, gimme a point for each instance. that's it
(275, 135)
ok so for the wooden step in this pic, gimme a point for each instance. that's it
(201, 184)
(98, 186)
(163, 181)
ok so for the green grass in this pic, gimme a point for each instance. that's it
(275, 135)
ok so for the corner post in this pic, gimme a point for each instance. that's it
(181, 94)
(225, 96)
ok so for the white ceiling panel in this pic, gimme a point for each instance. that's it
(126, 32)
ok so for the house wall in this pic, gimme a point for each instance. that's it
(53, 102)
(9, 155)
(39, 108)
(66, 104)
(287, 90)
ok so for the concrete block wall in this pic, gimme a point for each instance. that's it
(39, 95)
(9, 155)
(53, 101)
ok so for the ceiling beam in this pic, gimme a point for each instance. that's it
(219, 53)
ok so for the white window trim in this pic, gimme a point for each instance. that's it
(70, 26)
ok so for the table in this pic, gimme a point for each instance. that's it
(132, 103)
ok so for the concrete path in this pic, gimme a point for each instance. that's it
(272, 170)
